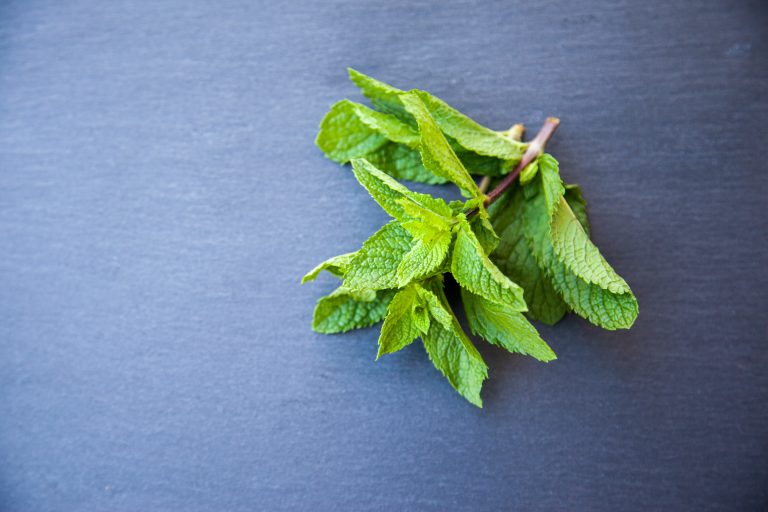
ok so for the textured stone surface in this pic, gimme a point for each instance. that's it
(160, 197)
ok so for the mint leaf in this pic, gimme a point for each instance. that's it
(483, 230)
(344, 310)
(351, 130)
(551, 187)
(505, 327)
(466, 132)
(529, 172)
(425, 257)
(402, 163)
(600, 306)
(336, 266)
(432, 296)
(578, 205)
(571, 243)
(436, 153)
(574, 248)
(407, 318)
(480, 164)
(605, 309)
(374, 266)
(343, 136)
(473, 270)
(454, 355)
(515, 259)
(384, 97)
(396, 199)
(470, 134)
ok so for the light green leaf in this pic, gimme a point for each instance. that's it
(344, 136)
(502, 326)
(470, 134)
(581, 257)
(387, 125)
(483, 229)
(481, 164)
(344, 310)
(578, 205)
(336, 266)
(473, 270)
(395, 198)
(402, 163)
(425, 257)
(529, 172)
(351, 130)
(385, 97)
(407, 318)
(454, 355)
(515, 259)
(600, 306)
(426, 217)
(551, 188)
(429, 296)
(374, 266)
(466, 132)
(343, 126)
(436, 153)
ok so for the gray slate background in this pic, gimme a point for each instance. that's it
(160, 196)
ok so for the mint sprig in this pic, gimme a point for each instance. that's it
(520, 252)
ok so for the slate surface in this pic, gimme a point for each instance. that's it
(160, 196)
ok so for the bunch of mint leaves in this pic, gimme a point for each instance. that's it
(520, 252)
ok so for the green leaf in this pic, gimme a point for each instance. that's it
(336, 266)
(402, 163)
(483, 229)
(430, 295)
(407, 318)
(578, 205)
(481, 164)
(374, 266)
(602, 307)
(465, 131)
(344, 310)
(436, 153)
(385, 97)
(551, 188)
(473, 270)
(515, 259)
(574, 248)
(529, 172)
(396, 199)
(454, 355)
(502, 326)
(425, 257)
(344, 136)
(470, 134)
(351, 130)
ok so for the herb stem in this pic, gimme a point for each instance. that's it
(535, 148)
(515, 133)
